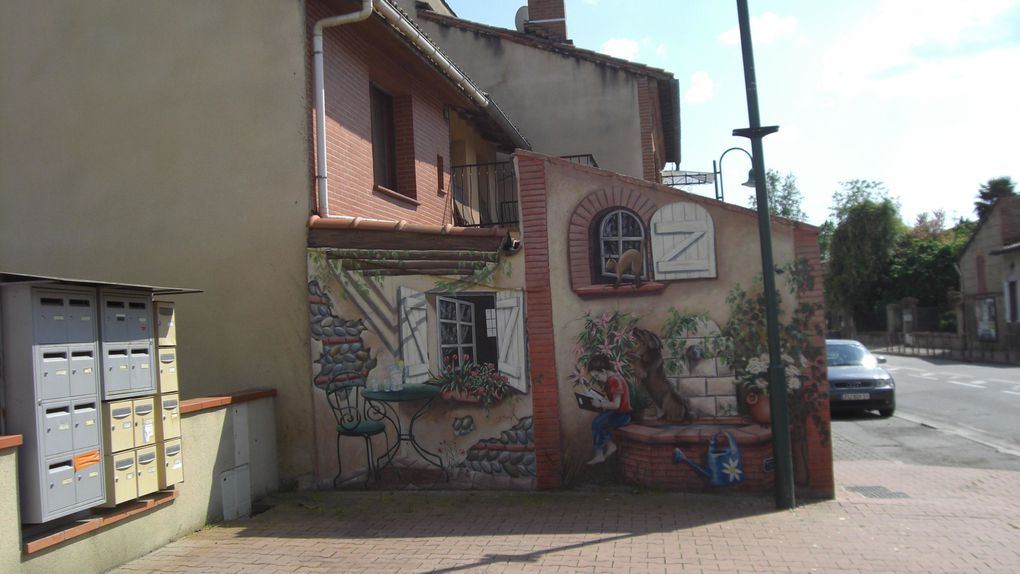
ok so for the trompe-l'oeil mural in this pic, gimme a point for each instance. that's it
(436, 365)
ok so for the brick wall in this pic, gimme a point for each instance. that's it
(650, 171)
(548, 10)
(541, 341)
(352, 63)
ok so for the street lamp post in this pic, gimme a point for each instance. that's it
(777, 372)
(717, 172)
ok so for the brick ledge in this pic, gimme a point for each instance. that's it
(208, 403)
(102, 518)
(10, 441)
(647, 288)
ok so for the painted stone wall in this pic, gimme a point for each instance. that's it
(462, 333)
(685, 329)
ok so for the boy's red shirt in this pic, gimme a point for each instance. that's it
(616, 386)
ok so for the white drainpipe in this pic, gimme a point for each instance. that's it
(320, 97)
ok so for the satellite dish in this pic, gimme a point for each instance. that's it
(520, 18)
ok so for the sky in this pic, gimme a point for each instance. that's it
(921, 95)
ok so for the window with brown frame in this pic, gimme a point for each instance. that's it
(384, 156)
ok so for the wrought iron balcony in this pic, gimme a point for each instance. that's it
(485, 194)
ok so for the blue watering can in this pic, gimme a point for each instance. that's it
(725, 466)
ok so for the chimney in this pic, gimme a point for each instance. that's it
(548, 19)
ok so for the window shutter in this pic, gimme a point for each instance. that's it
(510, 336)
(414, 334)
(683, 242)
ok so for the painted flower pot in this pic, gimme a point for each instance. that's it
(459, 396)
(758, 407)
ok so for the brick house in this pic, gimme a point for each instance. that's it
(989, 279)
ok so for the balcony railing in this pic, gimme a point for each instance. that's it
(485, 194)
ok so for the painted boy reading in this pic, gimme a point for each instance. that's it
(616, 407)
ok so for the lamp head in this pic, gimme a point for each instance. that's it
(750, 179)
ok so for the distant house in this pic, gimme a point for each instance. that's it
(990, 278)
(566, 99)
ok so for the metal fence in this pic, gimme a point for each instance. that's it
(945, 345)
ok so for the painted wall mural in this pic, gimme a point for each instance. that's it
(462, 339)
(700, 392)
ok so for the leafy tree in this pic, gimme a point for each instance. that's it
(825, 238)
(991, 191)
(861, 253)
(784, 197)
(855, 192)
(930, 226)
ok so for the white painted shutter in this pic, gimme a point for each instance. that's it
(683, 242)
(510, 338)
(414, 349)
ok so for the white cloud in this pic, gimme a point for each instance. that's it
(621, 48)
(765, 29)
(913, 46)
(702, 88)
(660, 50)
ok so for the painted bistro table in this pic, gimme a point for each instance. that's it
(382, 403)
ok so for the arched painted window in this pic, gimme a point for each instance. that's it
(616, 232)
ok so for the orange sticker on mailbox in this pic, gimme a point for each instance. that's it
(86, 459)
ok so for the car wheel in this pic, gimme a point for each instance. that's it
(886, 413)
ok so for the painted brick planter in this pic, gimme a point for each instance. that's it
(645, 454)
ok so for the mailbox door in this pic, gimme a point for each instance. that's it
(58, 431)
(54, 373)
(88, 474)
(168, 370)
(171, 463)
(141, 369)
(83, 371)
(170, 417)
(148, 470)
(115, 320)
(81, 318)
(139, 321)
(50, 317)
(166, 324)
(59, 486)
(86, 425)
(116, 370)
(122, 483)
(120, 426)
(145, 421)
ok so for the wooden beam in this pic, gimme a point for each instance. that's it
(404, 255)
(356, 264)
(391, 272)
(346, 239)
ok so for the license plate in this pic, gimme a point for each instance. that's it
(856, 397)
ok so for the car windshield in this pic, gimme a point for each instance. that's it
(849, 356)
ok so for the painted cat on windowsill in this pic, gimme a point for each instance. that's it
(630, 262)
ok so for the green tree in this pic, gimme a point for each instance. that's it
(785, 198)
(857, 191)
(825, 231)
(861, 251)
(991, 191)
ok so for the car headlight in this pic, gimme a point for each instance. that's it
(884, 382)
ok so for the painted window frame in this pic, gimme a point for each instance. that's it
(459, 346)
(599, 272)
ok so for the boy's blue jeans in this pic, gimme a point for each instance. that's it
(603, 425)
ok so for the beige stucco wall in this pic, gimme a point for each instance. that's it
(595, 107)
(738, 261)
(166, 143)
(208, 449)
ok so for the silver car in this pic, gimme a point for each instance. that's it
(856, 381)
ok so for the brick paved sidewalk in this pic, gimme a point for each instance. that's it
(887, 517)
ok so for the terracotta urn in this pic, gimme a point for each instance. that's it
(758, 407)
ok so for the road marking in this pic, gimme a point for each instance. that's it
(963, 384)
(1012, 393)
(1002, 381)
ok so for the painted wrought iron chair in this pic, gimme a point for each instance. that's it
(351, 413)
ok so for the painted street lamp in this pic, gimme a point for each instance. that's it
(777, 372)
(717, 172)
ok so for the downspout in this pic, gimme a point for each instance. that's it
(320, 97)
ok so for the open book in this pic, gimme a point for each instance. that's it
(589, 400)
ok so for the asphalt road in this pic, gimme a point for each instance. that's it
(947, 413)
